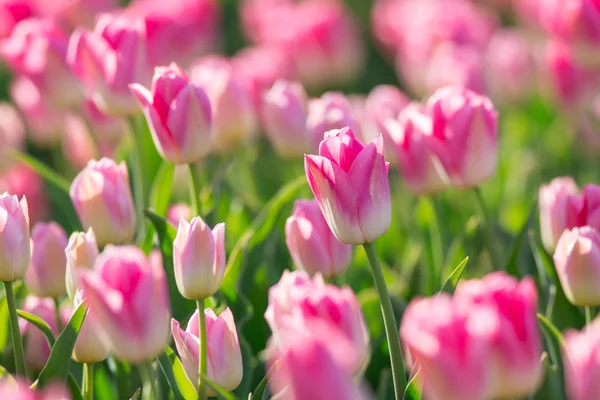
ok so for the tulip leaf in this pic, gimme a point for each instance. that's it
(519, 243)
(551, 330)
(262, 391)
(5, 375)
(74, 388)
(172, 369)
(40, 324)
(160, 196)
(43, 170)
(454, 277)
(58, 362)
(221, 393)
(412, 391)
(136, 394)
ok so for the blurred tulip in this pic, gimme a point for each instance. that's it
(350, 182)
(417, 151)
(581, 355)
(559, 203)
(577, 261)
(103, 201)
(234, 116)
(77, 13)
(516, 343)
(108, 60)
(14, 11)
(311, 243)
(20, 389)
(450, 64)
(37, 349)
(23, 181)
(178, 114)
(129, 298)
(88, 346)
(106, 129)
(577, 21)
(222, 346)
(382, 103)
(284, 111)
(81, 252)
(179, 211)
(45, 276)
(14, 237)
(78, 145)
(12, 132)
(37, 48)
(199, 258)
(467, 124)
(330, 111)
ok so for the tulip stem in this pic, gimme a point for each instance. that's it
(389, 321)
(195, 190)
(14, 328)
(588, 315)
(149, 391)
(57, 315)
(138, 167)
(88, 381)
(203, 367)
(489, 228)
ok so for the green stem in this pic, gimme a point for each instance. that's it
(88, 381)
(14, 328)
(489, 228)
(59, 324)
(588, 315)
(389, 321)
(138, 166)
(203, 367)
(195, 190)
(149, 390)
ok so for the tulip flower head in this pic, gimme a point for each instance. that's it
(45, 276)
(14, 237)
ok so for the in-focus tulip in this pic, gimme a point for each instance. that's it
(559, 203)
(311, 243)
(467, 125)
(14, 238)
(199, 258)
(37, 349)
(179, 211)
(330, 111)
(81, 252)
(350, 182)
(24, 181)
(222, 347)
(284, 113)
(581, 355)
(382, 103)
(45, 276)
(130, 301)
(516, 343)
(178, 114)
(577, 261)
(417, 151)
(108, 60)
(88, 346)
(102, 198)
(234, 115)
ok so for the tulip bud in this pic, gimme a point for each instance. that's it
(382, 103)
(178, 114)
(179, 211)
(577, 261)
(14, 238)
(350, 182)
(107, 130)
(311, 243)
(22, 180)
(102, 198)
(234, 117)
(581, 355)
(45, 276)
(81, 252)
(199, 258)
(331, 111)
(516, 344)
(37, 349)
(559, 204)
(78, 145)
(284, 111)
(88, 347)
(222, 346)
(129, 298)
(467, 125)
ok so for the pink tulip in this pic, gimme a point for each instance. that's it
(14, 237)
(130, 302)
(516, 343)
(12, 131)
(77, 13)
(88, 347)
(234, 116)
(350, 182)
(383, 102)
(311, 243)
(108, 60)
(299, 306)
(102, 198)
(449, 346)
(467, 125)
(81, 253)
(106, 129)
(577, 21)
(199, 258)
(582, 362)
(78, 145)
(23, 181)
(577, 261)
(222, 347)
(178, 114)
(20, 389)
(559, 202)
(45, 276)
(284, 112)
(37, 48)
(179, 211)
(418, 152)
(12, 12)
(37, 349)
(331, 111)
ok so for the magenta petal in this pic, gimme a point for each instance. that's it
(341, 149)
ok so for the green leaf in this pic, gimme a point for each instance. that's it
(40, 324)
(5, 376)
(137, 394)
(217, 389)
(160, 196)
(412, 392)
(512, 265)
(58, 362)
(45, 171)
(552, 331)
(455, 276)
(178, 381)
(74, 388)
